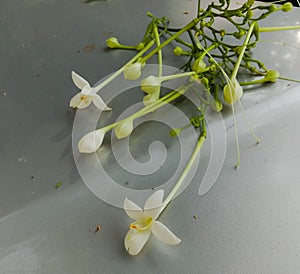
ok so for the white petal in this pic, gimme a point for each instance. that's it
(135, 241)
(86, 90)
(79, 81)
(133, 210)
(81, 101)
(124, 129)
(164, 234)
(98, 102)
(90, 142)
(153, 204)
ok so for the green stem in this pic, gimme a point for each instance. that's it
(120, 46)
(119, 71)
(156, 35)
(239, 60)
(187, 168)
(175, 76)
(170, 39)
(269, 29)
(255, 82)
(158, 104)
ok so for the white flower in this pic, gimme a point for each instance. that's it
(124, 128)
(91, 142)
(133, 71)
(232, 92)
(145, 224)
(87, 95)
(151, 84)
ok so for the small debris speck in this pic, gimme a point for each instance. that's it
(78, 51)
(195, 217)
(32, 177)
(185, 12)
(97, 228)
(37, 75)
(4, 94)
(89, 47)
(58, 185)
(126, 183)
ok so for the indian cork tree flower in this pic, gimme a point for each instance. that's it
(133, 71)
(146, 223)
(87, 95)
(124, 128)
(232, 92)
(92, 141)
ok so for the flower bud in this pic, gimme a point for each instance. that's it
(91, 142)
(286, 7)
(133, 71)
(112, 42)
(199, 65)
(216, 105)
(124, 129)
(272, 76)
(178, 51)
(151, 84)
(232, 92)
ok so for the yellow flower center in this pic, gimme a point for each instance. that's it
(142, 224)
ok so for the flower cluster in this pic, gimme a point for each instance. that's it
(210, 60)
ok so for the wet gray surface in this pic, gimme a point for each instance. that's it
(248, 223)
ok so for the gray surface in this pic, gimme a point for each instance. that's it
(248, 223)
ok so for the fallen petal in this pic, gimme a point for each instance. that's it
(79, 81)
(164, 234)
(91, 142)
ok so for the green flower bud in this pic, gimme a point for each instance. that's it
(112, 42)
(199, 65)
(222, 33)
(178, 51)
(205, 82)
(272, 76)
(239, 35)
(286, 7)
(272, 8)
(249, 14)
